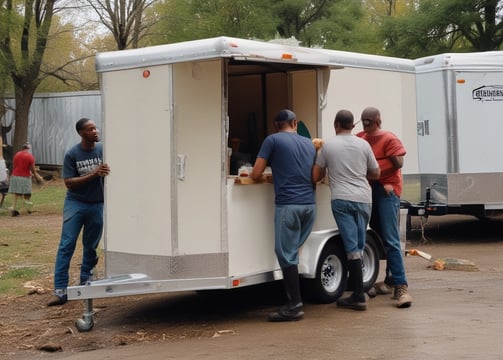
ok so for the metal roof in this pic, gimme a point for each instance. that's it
(245, 50)
(477, 61)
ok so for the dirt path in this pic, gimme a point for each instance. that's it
(456, 315)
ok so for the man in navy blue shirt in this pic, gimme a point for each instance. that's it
(291, 158)
(83, 173)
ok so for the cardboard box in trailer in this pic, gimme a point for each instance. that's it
(179, 121)
(459, 120)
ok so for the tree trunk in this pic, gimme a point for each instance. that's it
(23, 102)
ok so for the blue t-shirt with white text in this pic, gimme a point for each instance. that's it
(79, 162)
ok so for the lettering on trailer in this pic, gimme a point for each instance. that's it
(488, 93)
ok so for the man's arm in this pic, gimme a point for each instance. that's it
(373, 174)
(75, 182)
(397, 161)
(318, 173)
(258, 168)
(38, 178)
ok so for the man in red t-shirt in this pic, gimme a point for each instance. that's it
(386, 191)
(23, 168)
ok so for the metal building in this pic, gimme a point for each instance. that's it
(51, 128)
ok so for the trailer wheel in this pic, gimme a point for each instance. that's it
(84, 325)
(331, 274)
(370, 263)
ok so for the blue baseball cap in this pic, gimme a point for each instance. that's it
(285, 115)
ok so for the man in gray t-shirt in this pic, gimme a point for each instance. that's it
(350, 163)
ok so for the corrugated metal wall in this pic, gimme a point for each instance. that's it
(51, 128)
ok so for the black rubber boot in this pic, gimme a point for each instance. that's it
(356, 300)
(356, 268)
(293, 310)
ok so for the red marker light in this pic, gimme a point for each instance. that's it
(146, 73)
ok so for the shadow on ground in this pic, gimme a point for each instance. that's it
(457, 229)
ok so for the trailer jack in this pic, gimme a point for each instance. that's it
(86, 323)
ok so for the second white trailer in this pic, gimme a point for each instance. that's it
(459, 122)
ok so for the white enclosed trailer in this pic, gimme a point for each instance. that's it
(178, 119)
(459, 122)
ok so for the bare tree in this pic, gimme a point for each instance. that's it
(25, 32)
(32, 21)
(125, 19)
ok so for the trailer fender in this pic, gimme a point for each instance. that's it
(311, 250)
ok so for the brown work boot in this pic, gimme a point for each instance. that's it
(381, 288)
(404, 299)
(58, 297)
(353, 302)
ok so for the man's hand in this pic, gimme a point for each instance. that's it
(388, 188)
(318, 143)
(103, 170)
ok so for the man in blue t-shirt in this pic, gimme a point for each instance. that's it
(83, 173)
(291, 158)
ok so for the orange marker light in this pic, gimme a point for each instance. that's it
(235, 282)
(146, 73)
(460, 81)
(287, 56)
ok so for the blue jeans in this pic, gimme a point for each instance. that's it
(386, 208)
(292, 226)
(78, 215)
(352, 219)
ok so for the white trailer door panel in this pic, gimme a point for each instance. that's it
(197, 96)
(479, 98)
(137, 148)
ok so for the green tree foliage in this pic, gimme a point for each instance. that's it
(312, 22)
(432, 26)
(320, 23)
(68, 62)
(182, 20)
(339, 28)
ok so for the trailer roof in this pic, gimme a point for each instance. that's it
(477, 61)
(245, 50)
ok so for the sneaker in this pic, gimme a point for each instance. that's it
(381, 288)
(58, 297)
(286, 313)
(351, 302)
(404, 299)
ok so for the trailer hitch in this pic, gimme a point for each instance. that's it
(426, 208)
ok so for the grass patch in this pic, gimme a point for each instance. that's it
(23, 273)
(12, 281)
(47, 198)
(10, 287)
(28, 243)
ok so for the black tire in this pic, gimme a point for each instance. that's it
(331, 274)
(370, 262)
